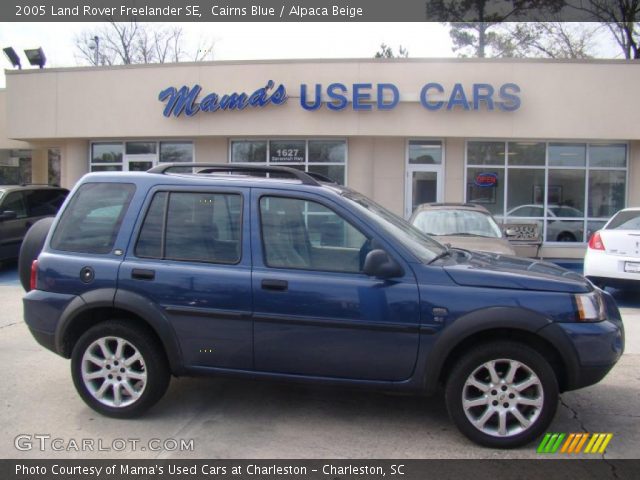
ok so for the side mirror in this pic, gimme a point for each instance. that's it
(8, 215)
(379, 264)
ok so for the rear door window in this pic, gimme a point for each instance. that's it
(197, 227)
(91, 222)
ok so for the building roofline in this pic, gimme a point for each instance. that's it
(451, 60)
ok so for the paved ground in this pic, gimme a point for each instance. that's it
(253, 419)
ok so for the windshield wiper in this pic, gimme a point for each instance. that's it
(445, 253)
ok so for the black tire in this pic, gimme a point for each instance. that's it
(497, 400)
(153, 364)
(31, 248)
(566, 237)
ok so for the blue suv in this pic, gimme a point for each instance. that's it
(270, 272)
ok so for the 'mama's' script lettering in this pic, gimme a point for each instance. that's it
(185, 99)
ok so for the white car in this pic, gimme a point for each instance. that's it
(560, 227)
(613, 256)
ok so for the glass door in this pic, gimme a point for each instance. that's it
(423, 183)
(423, 186)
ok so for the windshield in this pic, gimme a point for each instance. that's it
(423, 247)
(456, 222)
(629, 220)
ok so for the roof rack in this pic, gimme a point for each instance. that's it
(305, 178)
(23, 184)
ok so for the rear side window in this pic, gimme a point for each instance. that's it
(41, 203)
(629, 220)
(91, 222)
(198, 227)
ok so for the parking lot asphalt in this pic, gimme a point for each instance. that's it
(257, 419)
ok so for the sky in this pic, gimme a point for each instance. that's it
(252, 41)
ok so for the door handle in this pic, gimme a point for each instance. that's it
(277, 285)
(143, 274)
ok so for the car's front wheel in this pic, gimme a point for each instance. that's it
(502, 394)
(118, 369)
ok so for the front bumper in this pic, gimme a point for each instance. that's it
(588, 350)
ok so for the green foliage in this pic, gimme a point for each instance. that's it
(387, 52)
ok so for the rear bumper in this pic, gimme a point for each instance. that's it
(601, 266)
(42, 312)
(46, 339)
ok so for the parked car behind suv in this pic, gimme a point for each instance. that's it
(147, 275)
(613, 255)
(462, 225)
(20, 207)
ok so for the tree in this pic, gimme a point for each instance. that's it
(474, 23)
(133, 42)
(550, 39)
(621, 17)
(387, 52)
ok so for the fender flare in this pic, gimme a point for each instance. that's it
(491, 318)
(149, 312)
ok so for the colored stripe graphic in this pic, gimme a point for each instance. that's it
(574, 442)
(551, 442)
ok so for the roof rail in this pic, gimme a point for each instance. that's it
(304, 177)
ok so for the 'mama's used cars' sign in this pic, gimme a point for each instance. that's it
(338, 96)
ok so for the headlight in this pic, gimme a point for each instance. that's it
(590, 307)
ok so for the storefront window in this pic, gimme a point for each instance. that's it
(54, 175)
(141, 148)
(287, 152)
(327, 151)
(176, 152)
(568, 189)
(325, 157)
(425, 152)
(567, 155)
(107, 152)
(606, 192)
(485, 153)
(525, 190)
(15, 167)
(249, 151)
(526, 153)
(137, 156)
(486, 187)
(611, 155)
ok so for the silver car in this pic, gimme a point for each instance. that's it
(462, 225)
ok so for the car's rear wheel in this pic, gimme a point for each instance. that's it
(119, 370)
(31, 248)
(566, 237)
(502, 394)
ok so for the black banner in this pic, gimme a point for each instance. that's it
(307, 10)
(563, 468)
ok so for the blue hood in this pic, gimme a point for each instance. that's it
(499, 271)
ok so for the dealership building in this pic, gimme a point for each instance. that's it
(555, 143)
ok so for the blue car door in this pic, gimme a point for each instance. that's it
(315, 312)
(191, 259)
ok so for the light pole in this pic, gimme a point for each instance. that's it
(96, 46)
